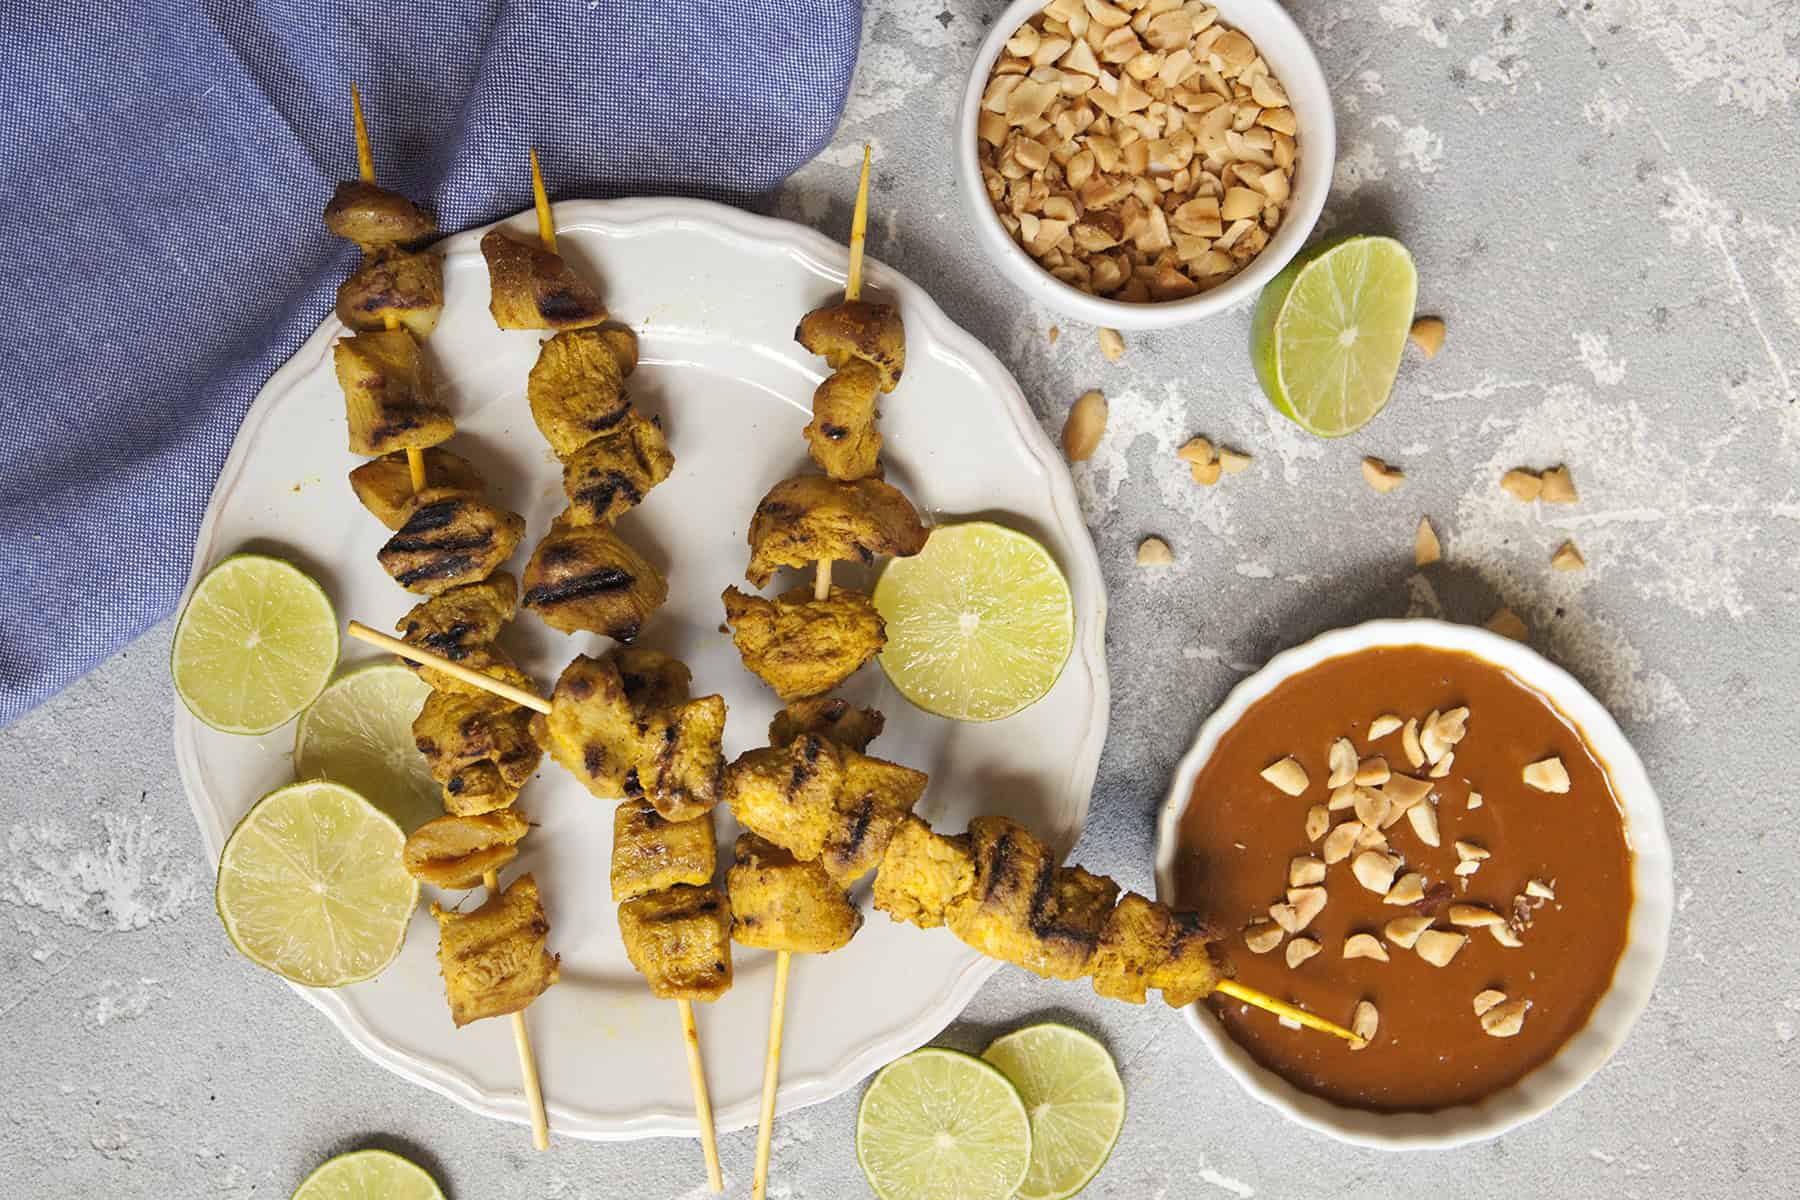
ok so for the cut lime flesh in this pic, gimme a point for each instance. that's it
(1074, 1098)
(368, 1175)
(359, 733)
(941, 1125)
(256, 643)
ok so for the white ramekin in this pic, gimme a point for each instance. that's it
(1288, 54)
(1647, 936)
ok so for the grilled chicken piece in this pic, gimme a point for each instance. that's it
(618, 745)
(809, 517)
(1145, 945)
(449, 539)
(584, 577)
(384, 485)
(612, 473)
(801, 646)
(1023, 909)
(389, 396)
(455, 852)
(493, 959)
(679, 939)
(651, 852)
(478, 746)
(819, 800)
(372, 216)
(461, 625)
(841, 436)
(839, 720)
(576, 390)
(407, 285)
(923, 874)
(857, 330)
(624, 345)
(533, 288)
(781, 903)
(652, 679)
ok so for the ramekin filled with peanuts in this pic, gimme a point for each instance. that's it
(1144, 163)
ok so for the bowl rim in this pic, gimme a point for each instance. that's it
(1300, 75)
(1647, 928)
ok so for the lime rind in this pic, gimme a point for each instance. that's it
(359, 733)
(256, 643)
(938, 1124)
(368, 1175)
(1074, 1098)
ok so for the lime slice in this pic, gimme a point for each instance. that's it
(369, 1175)
(255, 644)
(1328, 331)
(979, 623)
(311, 885)
(359, 733)
(1076, 1103)
(942, 1125)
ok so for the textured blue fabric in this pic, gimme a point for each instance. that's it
(162, 170)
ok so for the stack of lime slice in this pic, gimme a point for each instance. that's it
(359, 733)
(369, 1175)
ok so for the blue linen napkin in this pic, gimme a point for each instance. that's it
(162, 171)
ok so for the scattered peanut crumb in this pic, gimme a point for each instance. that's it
(1559, 487)
(1409, 743)
(1426, 548)
(1054, 334)
(1383, 725)
(1439, 946)
(1428, 335)
(1195, 450)
(1154, 552)
(1474, 800)
(1507, 623)
(1423, 818)
(1364, 1023)
(1380, 476)
(1340, 756)
(1262, 936)
(1301, 949)
(1318, 822)
(1404, 931)
(1567, 558)
(1505, 1019)
(1287, 775)
(1522, 485)
(1112, 346)
(1408, 889)
(1537, 889)
(1340, 842)
(1307, 903)
(1365, 945)
(1375, 871)
(1505, 935)
(1547, 775)
(1305, 871)
(1487, 999)
(1085, 426)
(1474, 916)
(1372, 772)
(1233, 462)
(1206, 473)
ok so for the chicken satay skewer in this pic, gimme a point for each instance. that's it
(365, 167)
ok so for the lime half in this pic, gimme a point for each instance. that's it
(942, 1125)
(359, 733)
(1074, 1098)
(979, 623)
(369, 1175)
(1328, 331)
(255, 644)
(311, 885)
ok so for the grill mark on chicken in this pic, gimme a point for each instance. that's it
(607, 579)
(602, 492)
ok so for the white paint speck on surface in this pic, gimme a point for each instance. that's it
(126, 877)
(1595, 353)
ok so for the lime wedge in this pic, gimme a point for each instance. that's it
(359, 733)
(369, 1175)
(979, 623)
(942, 1125)
(311, 885)
(255, 644)
(1328, 331)
(1074, 1098)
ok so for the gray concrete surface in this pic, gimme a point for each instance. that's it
(1603, 199)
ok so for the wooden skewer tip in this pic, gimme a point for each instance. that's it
(765, 1130)
(540, 200)
(709, 1138)
(488, 683)
(1282, 1008)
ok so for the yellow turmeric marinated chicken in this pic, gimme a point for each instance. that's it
(781, 903)
(585, 577)
(651, 852)
(857, 330)
(384, 485)
(1024, 909)
(389, 397)
(820, 800)
(478, 746)
(618, 745)
(1146, 945)
(612, 473)
(841, 721)
(841, 436)
(576, 390)
(810, 517)
(801, 646)
(449, 539)
(679, 939)
(372, 216)
(533, 288)
(406, 285)
(493, 959)
(461, 625)
(923, 874)
(455, 851)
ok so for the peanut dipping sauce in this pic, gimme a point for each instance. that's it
(1430, 1051)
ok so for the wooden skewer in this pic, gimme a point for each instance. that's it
(1282, 1008)
(690, 1035)
(545, 219)
(528, 1072)
(365, 166)
(859, 232)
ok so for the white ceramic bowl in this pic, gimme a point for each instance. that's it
(1647, 936)
(1288, 53)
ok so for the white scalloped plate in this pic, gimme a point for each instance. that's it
(714, 294)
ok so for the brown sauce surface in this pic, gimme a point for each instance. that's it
(1430, 1052)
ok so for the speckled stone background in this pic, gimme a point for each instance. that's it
(1604, 201)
